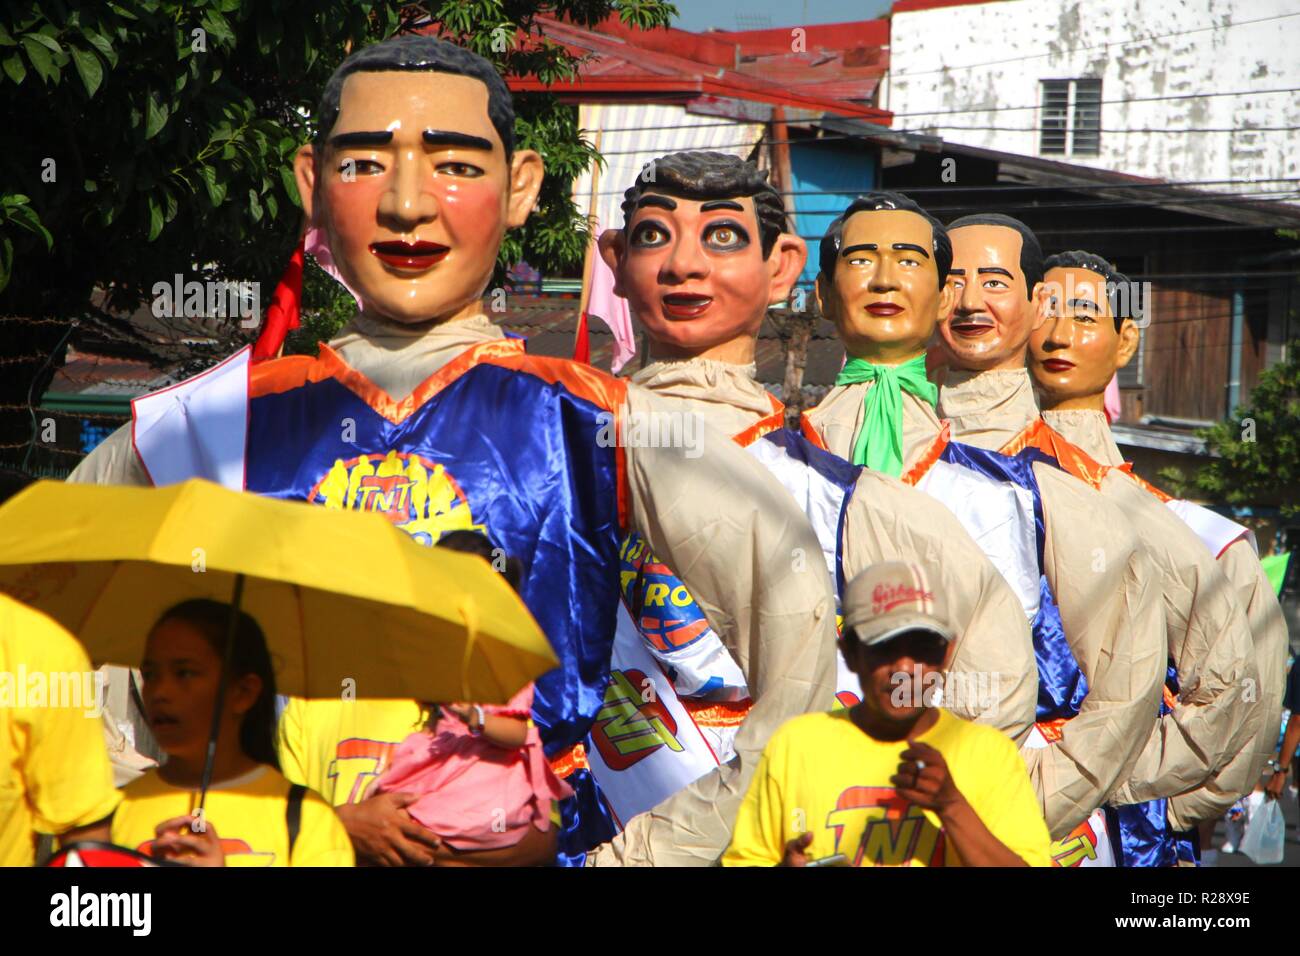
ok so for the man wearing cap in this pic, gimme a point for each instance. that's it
(891, 781)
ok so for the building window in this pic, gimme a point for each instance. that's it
(1071, 117)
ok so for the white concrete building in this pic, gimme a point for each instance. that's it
(1196, 91)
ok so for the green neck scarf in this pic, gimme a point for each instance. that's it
(879, 444)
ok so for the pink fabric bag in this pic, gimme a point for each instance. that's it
(472, 793)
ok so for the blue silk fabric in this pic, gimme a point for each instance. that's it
(1144, 837)
(520, 463)
(1061, 684)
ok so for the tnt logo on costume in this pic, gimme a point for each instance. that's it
(1078, 845)
(876, 824)
(420, 497)
(629, 728)
(665, 611)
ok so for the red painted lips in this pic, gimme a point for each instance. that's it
(409, 255)
(884, 309)
(1057, 365)
(683, 305)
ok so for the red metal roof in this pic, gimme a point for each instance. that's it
(627, 64)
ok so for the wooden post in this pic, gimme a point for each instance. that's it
(794, 328)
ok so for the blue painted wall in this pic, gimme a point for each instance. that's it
(836, 171)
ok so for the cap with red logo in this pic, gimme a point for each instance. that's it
(892, 597)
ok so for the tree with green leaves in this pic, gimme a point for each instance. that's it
(1257, 450)
(151, 138)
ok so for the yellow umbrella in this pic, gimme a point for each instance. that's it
(350, 604)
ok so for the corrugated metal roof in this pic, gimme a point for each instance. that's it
(630, 66)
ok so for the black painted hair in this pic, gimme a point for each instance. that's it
(250, 655)
(1031, 253)
(1120, 304)
(876, 201)
(473, 542)
(697, 174)
(413, 53)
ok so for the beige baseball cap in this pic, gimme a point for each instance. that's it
(892, 597)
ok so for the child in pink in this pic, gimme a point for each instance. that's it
(480, 773)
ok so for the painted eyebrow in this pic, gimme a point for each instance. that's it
(900, 246)
(380, 137)
(721, 204)
(956, 272)
(446, 137)
(860, 247)
(653, 199)
(1083, 304)
(994, 270)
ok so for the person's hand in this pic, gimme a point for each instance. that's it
(796, 851)
(1276, 784)
(923, 779)
(384, 834)
(191, 840)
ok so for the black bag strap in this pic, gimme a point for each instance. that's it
(293, 815)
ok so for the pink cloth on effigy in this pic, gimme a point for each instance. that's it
(472, 793)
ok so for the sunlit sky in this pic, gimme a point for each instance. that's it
(700, 15)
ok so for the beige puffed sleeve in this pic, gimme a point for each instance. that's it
(1268, 632)
(731, 532)
(1109, 598)
(992, 677)
(112, 462)
(1210, 644)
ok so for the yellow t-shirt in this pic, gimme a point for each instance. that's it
(821, 774)
(54, 769)
(248, 814)
(339, 747)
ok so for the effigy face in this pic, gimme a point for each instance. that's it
(1077, 350)
(993, 313)
(885, 296)
(413, 192)
(693, 270)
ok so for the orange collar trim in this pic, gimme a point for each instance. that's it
(602, 390)
(810, 431)
(280, 375)
(765, 425)
(931, 455)
(1073, 459)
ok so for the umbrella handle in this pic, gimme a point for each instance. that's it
(210, 759)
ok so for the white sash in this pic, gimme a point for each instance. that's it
(649, 758)
(1216, 531)
(196, 428)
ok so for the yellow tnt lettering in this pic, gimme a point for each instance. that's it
(1072, 851)
(655, 594)
(628, 729)
(884, 842)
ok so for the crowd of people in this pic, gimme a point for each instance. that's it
(941, 623)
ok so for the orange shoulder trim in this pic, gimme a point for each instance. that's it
(810, 432)
(1071, 457)
(605, 391)
(931, 455)
(766, 424)
(1127, 468)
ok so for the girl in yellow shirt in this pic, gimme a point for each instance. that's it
(253, 816)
